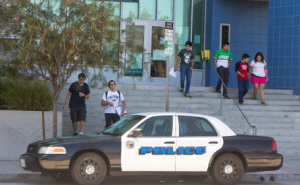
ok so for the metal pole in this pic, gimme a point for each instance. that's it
(221, 104)
(167, 83)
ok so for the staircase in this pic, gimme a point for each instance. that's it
(280, 119)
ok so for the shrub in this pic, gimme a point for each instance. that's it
(26, 95)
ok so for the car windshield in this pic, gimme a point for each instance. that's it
(120, 127)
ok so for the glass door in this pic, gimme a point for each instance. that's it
(149, 66)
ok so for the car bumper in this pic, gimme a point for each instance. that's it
(263, 162)
(44, 163)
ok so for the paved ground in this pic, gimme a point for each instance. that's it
(12, 174)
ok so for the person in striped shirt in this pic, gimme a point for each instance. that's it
(222, 61)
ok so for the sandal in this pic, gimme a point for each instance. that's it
(264, 103)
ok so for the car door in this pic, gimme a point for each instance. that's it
(154, 150)
(197, 140)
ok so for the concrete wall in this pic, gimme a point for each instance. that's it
(20, 128)
(249, 32)
(284, 44)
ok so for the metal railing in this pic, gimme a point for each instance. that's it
(221, 104)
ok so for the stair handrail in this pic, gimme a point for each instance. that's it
(221, 104)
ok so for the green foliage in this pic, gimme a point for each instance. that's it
(25, 95)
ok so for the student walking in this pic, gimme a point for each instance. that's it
(79, 91)
(259, 76)
(222, 62)
(110, 100)
(242, 70)
(187, 57)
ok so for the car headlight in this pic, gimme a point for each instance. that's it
(52, 150)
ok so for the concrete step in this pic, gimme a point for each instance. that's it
(194, 94)
(181, 100)
(124, 87)
(192, 105)
(248, 113)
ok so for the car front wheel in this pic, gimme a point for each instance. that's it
(89, 169)
(228, 169)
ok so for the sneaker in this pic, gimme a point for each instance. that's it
(187, 96)
(181, 89)
(218, 91)
(75, 134)
(80, 133)
(241, 103)
(226, 97)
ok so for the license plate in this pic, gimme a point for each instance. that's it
(23, 163)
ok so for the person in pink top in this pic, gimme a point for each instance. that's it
(258, 66)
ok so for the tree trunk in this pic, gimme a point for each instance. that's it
(55, 111)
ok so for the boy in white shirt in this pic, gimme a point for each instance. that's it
(111, 100)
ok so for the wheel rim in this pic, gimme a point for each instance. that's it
(228, 170)
(89, 169)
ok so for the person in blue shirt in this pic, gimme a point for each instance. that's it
(79, 91)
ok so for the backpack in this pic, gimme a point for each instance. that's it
(117, 91)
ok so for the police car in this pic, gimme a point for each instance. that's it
(155, 144)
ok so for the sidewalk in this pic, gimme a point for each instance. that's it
(11, 171)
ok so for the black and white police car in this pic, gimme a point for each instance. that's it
(155, 144)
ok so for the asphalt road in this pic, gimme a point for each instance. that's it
(168, 180)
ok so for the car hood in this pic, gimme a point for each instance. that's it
(55, 141)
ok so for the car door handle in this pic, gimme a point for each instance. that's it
(169, 142)
(213, 142)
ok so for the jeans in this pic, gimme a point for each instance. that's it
(185, 72)
(224, 74)
(243, 89)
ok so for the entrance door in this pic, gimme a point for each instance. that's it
(149, 66)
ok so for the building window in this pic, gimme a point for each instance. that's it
(148, 9)
(130, 10)
(225, 30)
(165, 10)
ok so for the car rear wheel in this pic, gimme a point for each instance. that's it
(89, 169)
(198, 178)
(61, 177)
(227, 169)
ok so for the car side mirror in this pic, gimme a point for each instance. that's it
(136, 133)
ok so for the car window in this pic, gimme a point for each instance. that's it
(208, 130)
(123, 125)
(194, 126)
(189, 126)
(160, 126)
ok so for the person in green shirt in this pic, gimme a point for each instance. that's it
(222, 61)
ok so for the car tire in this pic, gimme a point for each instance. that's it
(89, 169)
(195, 179)
(227, 169)
(61, 177)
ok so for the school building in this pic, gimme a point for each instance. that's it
(268, 26)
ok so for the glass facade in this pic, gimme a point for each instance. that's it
(182, 25)
(165, 10)
(130, 10)
(198, 31)
(148, 9)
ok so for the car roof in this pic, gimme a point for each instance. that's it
(220, 126)
(171, 113)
